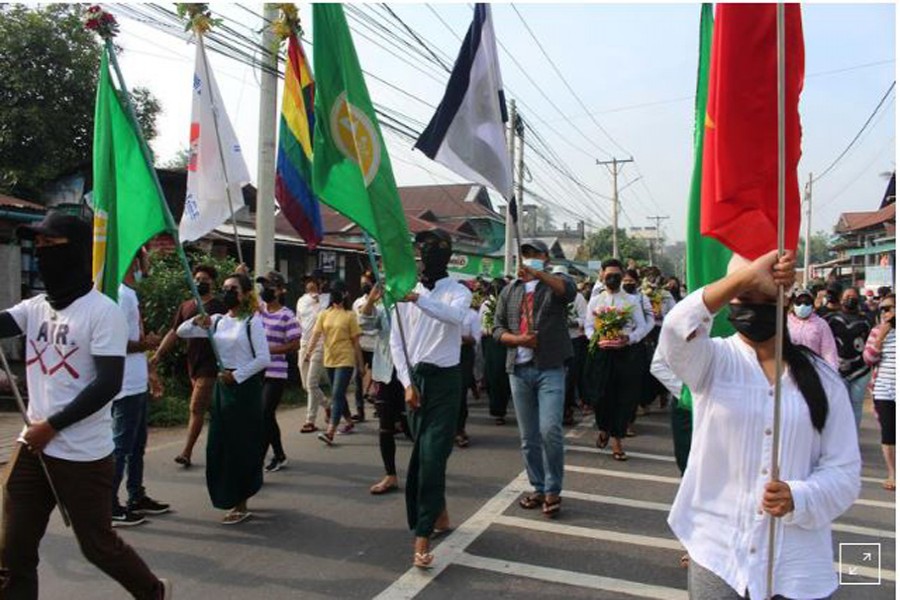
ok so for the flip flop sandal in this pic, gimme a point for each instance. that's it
(620, 456)
(382, 488)
(531, 501)
(439, 533)
(327, 439)
(685, 561)
(309, 428)
(552, 507)
(889, 485)
(602, 439)
(183, 460)
(233, 518)
(423, 560)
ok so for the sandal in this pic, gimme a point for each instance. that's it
(235, 517)
(423, 560)
(531, 501)
(327, 438)
(602, 439)
(382, 487)
(309, 428)
(440, 532)
(685, 561)
(183, 460)
(620, 456)
(552, 506)
(499, 421)
(889, 485)
(462, 440)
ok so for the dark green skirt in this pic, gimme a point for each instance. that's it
(234, 447)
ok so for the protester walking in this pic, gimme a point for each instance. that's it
(531, 320)
(850, 331)
(201, 361)
(719, 512)
(432, 318)
(616, 326)
(76, 341)
(808, 329)
(338, 325)
(881, 354)
(574, 365)
(309, 358)
(471, 335)
(129, 411)
(495, 378)
(283, 337)
(234, 446)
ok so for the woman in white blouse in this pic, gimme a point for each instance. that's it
(234, 447)
(725, 500)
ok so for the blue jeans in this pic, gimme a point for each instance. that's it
(539, 396)
(129, 416)
(857, 391)
(340, 380)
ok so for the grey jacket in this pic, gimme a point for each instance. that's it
(554, 346)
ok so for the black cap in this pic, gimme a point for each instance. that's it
(272, 277)
(435, 233)
(537, 245)
(58, 224)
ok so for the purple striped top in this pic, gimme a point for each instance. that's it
(281, 328)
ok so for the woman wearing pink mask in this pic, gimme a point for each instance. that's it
(809, 329)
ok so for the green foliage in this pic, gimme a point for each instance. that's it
(598, 246)
(48, 85)
(818, 248)
(180, 161)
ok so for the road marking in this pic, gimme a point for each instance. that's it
(876, 503)
(448, 552)
(579, 429)
(584, 580)
(631, 454)
(868, 572)
(593, 534)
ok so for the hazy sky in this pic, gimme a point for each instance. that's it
(633, 66)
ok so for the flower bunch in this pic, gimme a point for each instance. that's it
(487, 320)
(101, 22)
(199, 17)
(656, 296)
(288, 23)
(609, 323)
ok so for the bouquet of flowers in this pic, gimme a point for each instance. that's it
(656, 296)
(98, 20)
(487, 320)
(609, 322)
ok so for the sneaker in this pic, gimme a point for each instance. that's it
(125, 518)
(345, 429)
(165, 589)
(148, 506)
(275, 464)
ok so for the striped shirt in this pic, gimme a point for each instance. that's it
(883, 387)
(281, 328)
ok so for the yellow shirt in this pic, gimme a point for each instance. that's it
(340, 328)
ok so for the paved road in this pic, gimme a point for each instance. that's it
(319, 534)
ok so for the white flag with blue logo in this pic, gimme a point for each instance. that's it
(206, 204)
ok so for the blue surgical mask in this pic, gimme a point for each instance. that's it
(534, 263)
(803, 310)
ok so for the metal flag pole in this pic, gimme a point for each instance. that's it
(20, 403)
(779, 322)
(215, 115)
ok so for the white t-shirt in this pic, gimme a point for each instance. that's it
(134, 381)
(59, 351)
(368, 338)
(523, 354)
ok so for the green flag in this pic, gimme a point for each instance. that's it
(351, 168)
(128, 205)
(707, 259)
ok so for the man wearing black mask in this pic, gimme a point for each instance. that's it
(851, 329)
(432, 317)
(201, 361)
(832, 300)
(76, 342)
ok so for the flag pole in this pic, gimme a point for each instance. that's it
(215, 116)
(20, 403)
(170, 221)
(779, 322)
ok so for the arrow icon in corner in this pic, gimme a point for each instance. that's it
(867, 556)
(851, 570)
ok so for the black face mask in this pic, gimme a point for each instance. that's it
(629, 288)
(64, 273)
(613, 281)
(203, 288)
(435, 257)
(268, 295)
(851, 304)
(754, 321)
(230, 299)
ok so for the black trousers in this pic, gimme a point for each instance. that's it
(391, 404)
(467, 368)
(575, 372)
(272, 391)
(613, 384)
(495, 376)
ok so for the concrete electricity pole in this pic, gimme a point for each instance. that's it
(265, 173)
(615, 162)
(808, 230)
(657, 246)
(508, 238)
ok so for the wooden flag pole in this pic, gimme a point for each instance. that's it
(779, 310)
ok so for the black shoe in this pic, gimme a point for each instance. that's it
(148, 506)
(125, 518)
(358, 417)
(276, 464)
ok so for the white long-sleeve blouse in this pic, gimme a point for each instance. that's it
(233, 343)
(717, 512)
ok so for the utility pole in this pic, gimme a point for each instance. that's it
(508, 238)
(264, 259)
(615, 162)
(657, 246)
(808, 230)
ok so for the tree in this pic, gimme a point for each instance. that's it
(180, 160)
(818, 248)
(48, 85)
(598, 246)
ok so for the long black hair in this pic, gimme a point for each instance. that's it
(802, 363)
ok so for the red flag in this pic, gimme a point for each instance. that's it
(740, 152)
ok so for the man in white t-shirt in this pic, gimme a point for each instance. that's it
(311, 364)
(129, 411)
(75, 341)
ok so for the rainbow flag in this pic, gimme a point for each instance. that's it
(293, 174)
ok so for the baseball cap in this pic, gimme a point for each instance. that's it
(536, 245)
(58, 224)
(560, 270)
(272, 277)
